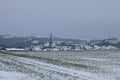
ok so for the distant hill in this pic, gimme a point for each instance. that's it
(24, 42)
(27, 41)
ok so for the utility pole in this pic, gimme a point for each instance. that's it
(50, 42)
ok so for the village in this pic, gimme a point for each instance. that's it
(68, 45)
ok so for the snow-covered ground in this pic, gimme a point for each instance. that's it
(68, 65)
(4, 75)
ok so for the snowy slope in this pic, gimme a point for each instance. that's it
(4, 75)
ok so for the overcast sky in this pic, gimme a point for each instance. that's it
(82, 19)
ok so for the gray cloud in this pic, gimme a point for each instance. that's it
(75, 18)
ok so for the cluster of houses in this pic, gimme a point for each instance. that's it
(68, 45)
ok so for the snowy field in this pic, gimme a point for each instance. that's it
(67, 65)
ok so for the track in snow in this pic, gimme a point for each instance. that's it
(46, 71)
